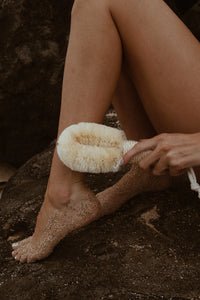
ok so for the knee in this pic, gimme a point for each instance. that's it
(78, 4)
(86, 5)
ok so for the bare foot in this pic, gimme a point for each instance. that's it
(131, 184)
(54, 223)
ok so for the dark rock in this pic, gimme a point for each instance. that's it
(149, 249)
(34, 37)
(184, 5)
(192, 19)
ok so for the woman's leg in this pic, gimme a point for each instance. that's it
(151, 44)
(164, 59)
(92, 69)
(129, 109)
(136, 125)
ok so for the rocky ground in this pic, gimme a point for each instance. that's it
(149, 249)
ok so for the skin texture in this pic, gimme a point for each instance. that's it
(132, 183)
(121, 52)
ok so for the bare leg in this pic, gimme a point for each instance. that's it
(136, 125)
(129, 109)
(166, 81)
(91, 73)
(164, 59)
(151, 44)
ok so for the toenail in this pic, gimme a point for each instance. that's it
(15, 244)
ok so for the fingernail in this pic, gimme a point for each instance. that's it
(15, 257)
(15, 244)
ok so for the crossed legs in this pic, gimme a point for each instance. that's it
(166, 80)
(136, 125)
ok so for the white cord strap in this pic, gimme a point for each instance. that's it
(193, 181)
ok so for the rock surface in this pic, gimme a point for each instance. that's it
(34, 37)
(149, 249)
(6, 171)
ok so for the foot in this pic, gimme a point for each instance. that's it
(131, 184)
(54, 223)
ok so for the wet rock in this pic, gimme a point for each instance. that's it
(34, 37)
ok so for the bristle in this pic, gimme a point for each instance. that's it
(90, 147)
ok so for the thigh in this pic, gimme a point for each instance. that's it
(164, 60)
(129, 108)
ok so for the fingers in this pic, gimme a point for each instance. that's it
(142, 146)
(149, 161)
(171, 153)
(161, 167)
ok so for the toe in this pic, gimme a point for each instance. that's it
(20, 252)
(15, 245)
(23, 258)
(21, 243)
(17, 257)
(15, 253)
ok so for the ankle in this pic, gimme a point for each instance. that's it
(58, 196)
